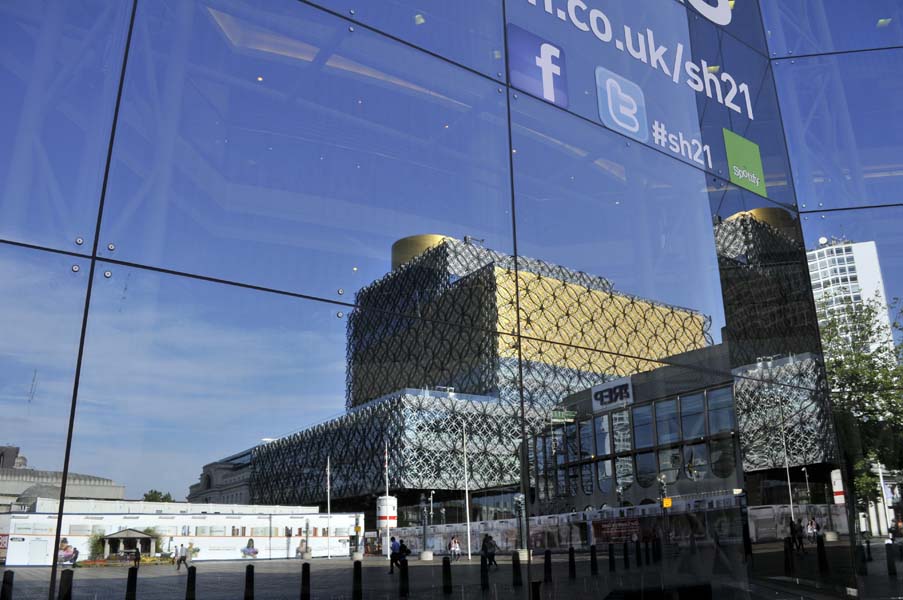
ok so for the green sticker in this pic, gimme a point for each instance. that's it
(745, 163)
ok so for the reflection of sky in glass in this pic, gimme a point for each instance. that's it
(798, 27)
(465, 31)
(844, 124)
(58, 75)
(294, 151)
(178, 373)
(589, 201)
(41, 310)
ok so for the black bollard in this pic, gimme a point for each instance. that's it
(572, 564)
(535, 590)
(868, 550)
(639, 556)
(191, 584)
(357, 581)
(446, 574)
(889, 557)
(249, 582)
(404, 587)
(484, 573)
(66, 586)
(593, 561)
(788, 556)
(626, 556)
(305, 581)
(516, 578)
(131, 585)
(648, 559)
(547, 570)
(862, 567)
(822, 555)
(611, 558)
(6, 591)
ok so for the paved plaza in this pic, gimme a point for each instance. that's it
(332, 579)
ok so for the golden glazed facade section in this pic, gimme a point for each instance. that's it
(567, 325)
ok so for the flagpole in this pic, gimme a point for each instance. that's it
(466, 490)
(386, 505)
(328, 512)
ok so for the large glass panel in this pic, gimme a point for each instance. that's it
(603, 435)
(611, 222)
(465, 31)
(692, 416)
(587, 449)
(59, 75)
(42, 301)
(667, 422)
(696, 462)
(624, 475)
(721, 410)
(844, 126)
(642, 426)
(621, 431)
(237, 400)
(295, 151)
(669, 464)
(724, 462)
(606, 477)
(586, 478)
(653, 73)
(797, 27)
(646, 470)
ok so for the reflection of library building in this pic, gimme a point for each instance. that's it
(414, 383)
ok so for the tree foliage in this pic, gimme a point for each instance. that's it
(157, 496)
(864, 366)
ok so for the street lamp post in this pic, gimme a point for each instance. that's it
(520, 512)
(425, 554)
(808, 491)
(432, 493)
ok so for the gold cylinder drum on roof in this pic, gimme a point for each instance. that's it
(405, 249)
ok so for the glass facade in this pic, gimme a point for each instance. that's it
(567, 273)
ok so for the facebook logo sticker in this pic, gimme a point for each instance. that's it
(537, 66)
(622, 105)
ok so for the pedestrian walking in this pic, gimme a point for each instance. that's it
(182, 557)
(800, 536)
(394, 553)
(74, 557)
(137, 555)
(490, 552)
(174, 556)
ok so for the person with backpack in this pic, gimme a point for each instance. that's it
(403, 551)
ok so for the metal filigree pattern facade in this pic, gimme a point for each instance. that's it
(425, 448)
(448, 319)
(783, 402)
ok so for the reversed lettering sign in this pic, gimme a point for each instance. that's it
(612, 394)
